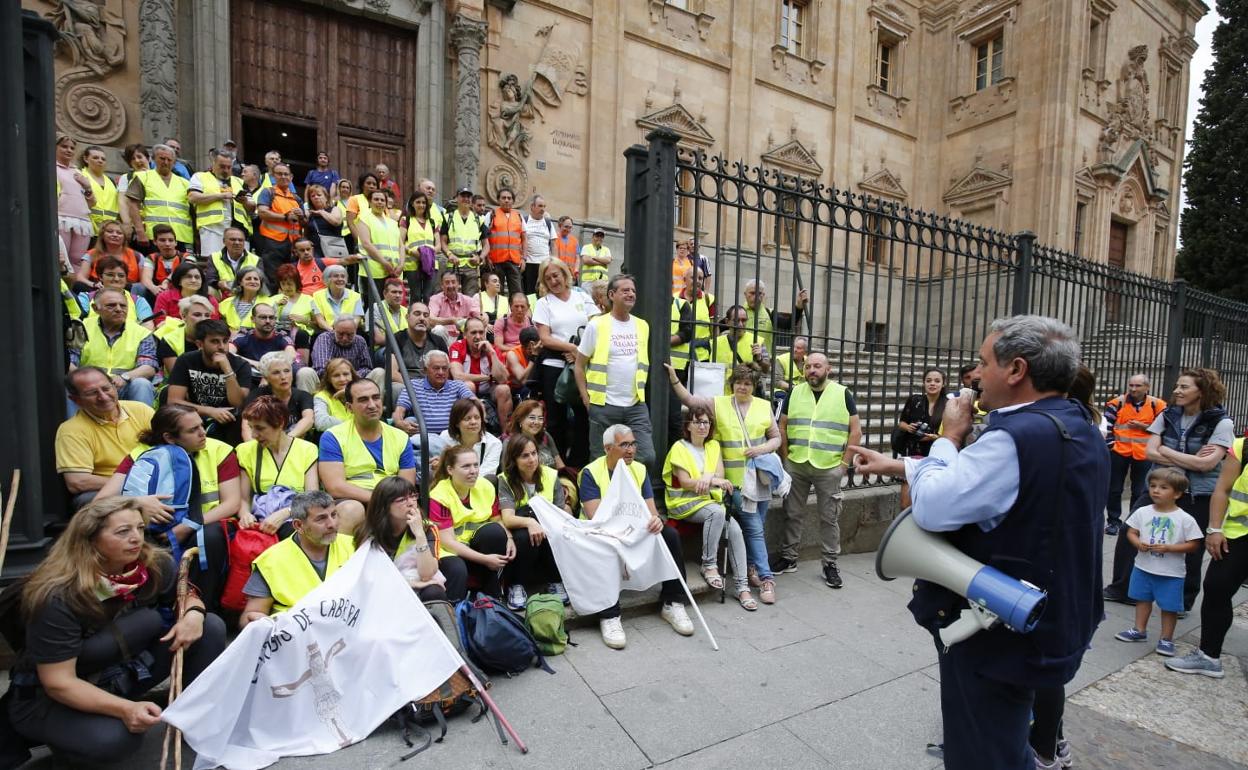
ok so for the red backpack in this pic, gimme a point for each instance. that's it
(244, 548)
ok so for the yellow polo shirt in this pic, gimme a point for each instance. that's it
(87, 445)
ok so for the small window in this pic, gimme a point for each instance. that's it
(787, 222)
(874, 243)
(874, 337)
(989, 62)
(1081, 210)
(681, 4)
(792, 25)
(684, 202)
(884, 65)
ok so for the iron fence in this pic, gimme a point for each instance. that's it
(892, 291)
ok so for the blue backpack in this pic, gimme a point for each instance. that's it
(168, 470)
(495, 639)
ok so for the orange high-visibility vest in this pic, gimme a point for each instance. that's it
(283, 203)
(1131, 442)
(506, 237)
(568, 251)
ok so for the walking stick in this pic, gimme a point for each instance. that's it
(493, 707)
(173, 736)
(7, 524)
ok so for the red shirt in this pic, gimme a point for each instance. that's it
(472, 364)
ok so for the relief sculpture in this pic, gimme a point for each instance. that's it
(1129, 114)
(93, 40)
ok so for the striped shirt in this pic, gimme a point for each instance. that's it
(435, 405)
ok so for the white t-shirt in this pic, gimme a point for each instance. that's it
(537, 235)
(622, 361)
(1154, 527)
(563, 318)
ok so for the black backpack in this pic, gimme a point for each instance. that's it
(496, 639)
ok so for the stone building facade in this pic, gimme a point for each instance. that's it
(1064, 117)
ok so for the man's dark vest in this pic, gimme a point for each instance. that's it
(1197, 436)
(1051, 537)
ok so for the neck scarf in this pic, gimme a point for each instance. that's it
(123, 586)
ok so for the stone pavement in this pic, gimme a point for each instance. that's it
(838, 679)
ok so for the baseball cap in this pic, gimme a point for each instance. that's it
(463, 191)
(600, 231)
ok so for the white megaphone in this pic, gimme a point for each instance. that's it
(908, 550)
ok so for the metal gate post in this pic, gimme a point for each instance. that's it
(1026, 241)
(1174, 335)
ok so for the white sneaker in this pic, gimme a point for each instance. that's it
(612, 631)
(676, 616)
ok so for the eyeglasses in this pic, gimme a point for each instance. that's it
(627, 445)
(701, 423)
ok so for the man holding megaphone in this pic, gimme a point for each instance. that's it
(1024, 502)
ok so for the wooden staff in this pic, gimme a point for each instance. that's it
(7, 524)
(173, 736)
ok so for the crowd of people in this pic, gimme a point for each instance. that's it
(220, 319)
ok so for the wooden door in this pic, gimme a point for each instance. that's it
(350, 78)
(1118, 233)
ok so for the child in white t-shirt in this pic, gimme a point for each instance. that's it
(1164, 534)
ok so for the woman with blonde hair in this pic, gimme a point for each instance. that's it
(560, 315)
(328, 408)
(97, 638)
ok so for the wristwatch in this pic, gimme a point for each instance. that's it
(125, 376)
(1213, 530)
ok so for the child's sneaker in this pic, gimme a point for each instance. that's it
(1197, 663)
(1065, 757)
(1042, 765)
(1165, 647)
(1132, 635)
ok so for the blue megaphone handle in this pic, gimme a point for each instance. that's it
(1018, 604)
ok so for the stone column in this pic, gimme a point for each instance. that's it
(210, 29)
(467, 37)
(431, 96)
(158, 69)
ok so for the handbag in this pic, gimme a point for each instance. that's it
(566, 391)
(334, 246)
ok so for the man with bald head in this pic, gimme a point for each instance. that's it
(1128, 417)
(818, 422)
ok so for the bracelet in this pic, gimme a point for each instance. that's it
(421, 548)
(228, 376)
(196, 608)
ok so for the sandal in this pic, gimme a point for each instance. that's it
(768, 592)
(747, 601)
(712, 577)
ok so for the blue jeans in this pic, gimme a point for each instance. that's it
(755, 545)
(139, 389)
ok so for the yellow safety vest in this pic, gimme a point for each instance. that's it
(173, 332)
(71, 302)
(764, 324)
(116, 358)
(206, 462)
(594, 272)
(107, 205)
(784, 364)
(215, 212)
(222, 265)
(596, 370)
(346, 228)
(437, 215)
(350, 304)
(466, 520)
(301, 456)
(418, 236)
(683, 503)
(597, 471)
(301, 304)
(722, 351)
(550, 480)
(463, 237)
(702, 330)
(336, 408)
(229, 313)
(289, 573)
(732, 442)
(818, 432)
(680, 353)
(1235, 523)
(166, 204)
(384, 234)
(398, 321)
(358, 464)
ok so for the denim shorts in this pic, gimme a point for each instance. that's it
(1165, 590)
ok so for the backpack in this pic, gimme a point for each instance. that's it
(495, 639)
(244, 548)
(454, 696)
(544, 618)
(168, 470)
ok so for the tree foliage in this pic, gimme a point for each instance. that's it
(1214, 255)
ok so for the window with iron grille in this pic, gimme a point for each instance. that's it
(874, 337)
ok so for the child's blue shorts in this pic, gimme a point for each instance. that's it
(1165, 591)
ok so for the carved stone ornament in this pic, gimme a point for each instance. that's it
(884, 183)
(1128, 115)
(979, 183)
(885, 104)
(686, 25)
(795, 70)
(794, 156)
(467, 35)
(680, 121)
(93, 40)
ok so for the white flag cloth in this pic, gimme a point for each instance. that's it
(612, 551)
(318, 677)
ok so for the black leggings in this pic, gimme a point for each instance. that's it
(96, 738)
(1221, 582)
(1046, 724)
(571, 434)
(210, 581)
(490, 539)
